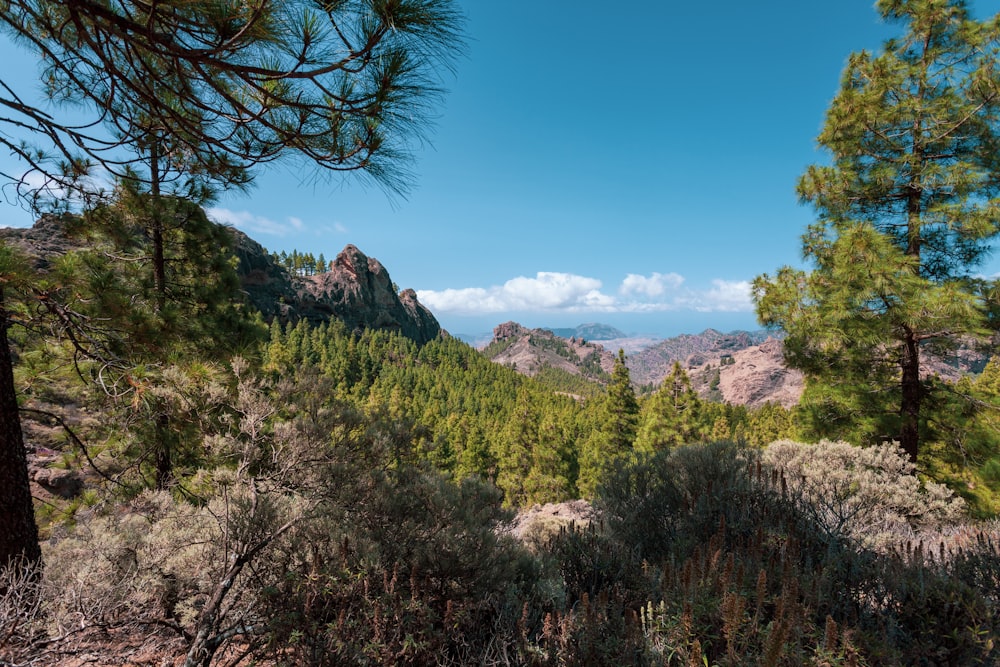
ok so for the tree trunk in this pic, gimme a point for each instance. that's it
(159, 261)
(164, 464)
(18, 532)
(911, 396)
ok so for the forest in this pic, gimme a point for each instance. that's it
(237, 491)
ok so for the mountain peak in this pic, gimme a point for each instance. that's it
(357, 291)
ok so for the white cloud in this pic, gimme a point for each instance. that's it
(254, 224)
(652, 286)
(566, 292)
(547, 291)
(731, 296)
(550, 291)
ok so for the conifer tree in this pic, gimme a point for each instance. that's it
(343, 84)
(907, 210)
(614, 434)
(516, 449)
(671, 416)
(621, 408)
(214, 89)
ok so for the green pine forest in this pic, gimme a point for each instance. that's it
(236, 491)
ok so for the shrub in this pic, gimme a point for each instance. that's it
(869, 494)
(739, 570)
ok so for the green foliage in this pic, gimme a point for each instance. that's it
(231, 89)
(476, 417)
(671, 416)
(565, 382)
(613, 435)
(907, 211)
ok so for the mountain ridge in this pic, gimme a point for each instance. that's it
(357, 290)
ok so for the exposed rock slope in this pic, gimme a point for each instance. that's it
(530, 350)
(651, 365)
(357, 290)
(752, 376)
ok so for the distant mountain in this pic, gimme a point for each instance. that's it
(478, 341)
(591, 331)
(739, 367)
(608, 336)
(539, 351)
(652, 364)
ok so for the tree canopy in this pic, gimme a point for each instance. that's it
(906, 212)
(219, 87)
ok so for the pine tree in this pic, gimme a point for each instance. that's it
(906, 212)
(516, 449)
(613, 436)
(227, 89)
(671, 416)
(621, 409)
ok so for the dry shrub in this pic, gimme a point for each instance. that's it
(21, 617)
(869, 494)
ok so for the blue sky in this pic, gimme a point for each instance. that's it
(631, 166)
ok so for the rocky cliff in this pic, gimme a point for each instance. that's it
(530, 350)
(357, 291)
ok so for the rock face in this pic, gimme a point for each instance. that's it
(530, 350)
(45, 239)
(651, 365)
(358, 291)
(752, 377)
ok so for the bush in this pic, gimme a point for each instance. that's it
(869, 494)
(739, 570)
(414, 571)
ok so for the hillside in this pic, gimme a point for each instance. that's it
(534, 351)
(357, 290)
(651, 365)
(752, 377)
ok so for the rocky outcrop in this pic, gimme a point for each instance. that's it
(357, 291)
(44, 240)
(528, 351)
(752, 377)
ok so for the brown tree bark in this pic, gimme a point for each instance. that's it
(18, 531)
(911, 396)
